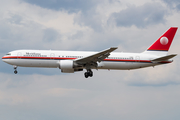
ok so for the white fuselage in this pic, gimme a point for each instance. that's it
(73, 61)
(51, 59)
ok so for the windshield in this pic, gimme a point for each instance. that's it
(8, 54)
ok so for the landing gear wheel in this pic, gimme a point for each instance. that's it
(15, 72)
(89, 73)
(86, 75)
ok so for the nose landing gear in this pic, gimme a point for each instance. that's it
(15, 70)
(89, 73)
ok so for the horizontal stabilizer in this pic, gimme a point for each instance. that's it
(165, 58)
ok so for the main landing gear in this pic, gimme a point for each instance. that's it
(89, 73)
(15, 70)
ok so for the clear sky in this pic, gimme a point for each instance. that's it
(95, 25)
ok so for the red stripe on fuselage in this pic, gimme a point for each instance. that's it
(60, 58)
(22, 57)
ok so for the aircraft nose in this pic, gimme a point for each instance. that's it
(3, 59)
(7, 60)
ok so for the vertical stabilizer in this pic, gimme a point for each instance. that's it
(162, 45)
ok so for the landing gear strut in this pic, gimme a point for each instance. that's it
(89, 73)
(15, 70)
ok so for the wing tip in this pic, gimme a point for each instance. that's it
(114, 47)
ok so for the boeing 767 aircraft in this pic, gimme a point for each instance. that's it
(74, 61)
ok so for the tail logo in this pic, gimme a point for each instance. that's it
(164, 40)
(163, 43)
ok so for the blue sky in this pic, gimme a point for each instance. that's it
(132, 26)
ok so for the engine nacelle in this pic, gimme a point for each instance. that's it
(66, 66)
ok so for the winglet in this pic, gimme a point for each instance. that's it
(113, 48)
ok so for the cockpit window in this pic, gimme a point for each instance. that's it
(8, 54)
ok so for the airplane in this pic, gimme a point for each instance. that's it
(74, 61)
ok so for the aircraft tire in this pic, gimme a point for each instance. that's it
(90, 74)
(86, 74)
(15, 72)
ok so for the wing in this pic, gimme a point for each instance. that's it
(98, 57)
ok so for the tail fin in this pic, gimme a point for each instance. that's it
(162, 45)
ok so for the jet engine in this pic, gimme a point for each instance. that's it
(66, 66)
